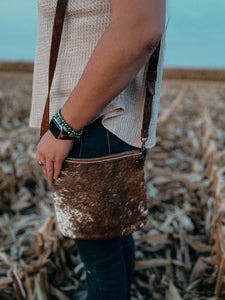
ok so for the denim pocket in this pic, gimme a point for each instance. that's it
(97, 141)
(117, 145)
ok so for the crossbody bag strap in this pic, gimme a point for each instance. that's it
(151, 77)
(56, 39)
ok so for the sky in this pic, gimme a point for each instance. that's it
(195, 33)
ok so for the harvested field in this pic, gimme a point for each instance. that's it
(179, 254)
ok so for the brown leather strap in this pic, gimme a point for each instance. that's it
(56, 38)
(151, 74)
(151, 77)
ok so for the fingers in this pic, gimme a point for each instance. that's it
(57, 169)
(49, 170)
(53, 169)
(40, 159)
(42, 168)
(51, 153)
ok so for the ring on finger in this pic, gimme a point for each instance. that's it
(41, 164)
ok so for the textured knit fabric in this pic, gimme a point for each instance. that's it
(84, 24)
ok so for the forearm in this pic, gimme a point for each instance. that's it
(117, 58)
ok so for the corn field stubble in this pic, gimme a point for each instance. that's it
(179, 254)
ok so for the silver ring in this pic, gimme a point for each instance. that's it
(41, 164)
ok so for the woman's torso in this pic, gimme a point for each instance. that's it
(84, 24)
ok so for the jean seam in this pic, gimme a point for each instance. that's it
(98, 280)
(80, 148)
(107, 134)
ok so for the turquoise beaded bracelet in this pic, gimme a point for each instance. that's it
(66, 127)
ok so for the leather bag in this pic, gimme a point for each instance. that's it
(102, 197)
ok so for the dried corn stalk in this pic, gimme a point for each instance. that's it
(184, 181)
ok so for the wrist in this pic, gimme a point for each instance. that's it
(67, 115)
(61, 129)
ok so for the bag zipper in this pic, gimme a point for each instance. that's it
(124, 154)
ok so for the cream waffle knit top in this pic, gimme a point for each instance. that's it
(85, 22)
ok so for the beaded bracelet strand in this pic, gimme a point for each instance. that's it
(69, 130)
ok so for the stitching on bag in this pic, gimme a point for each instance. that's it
(105, 158)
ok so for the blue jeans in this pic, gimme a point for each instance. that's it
(98, 141)
(109, 263)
